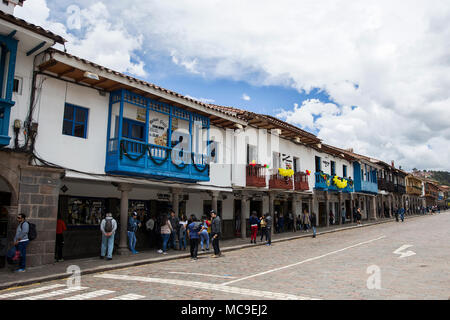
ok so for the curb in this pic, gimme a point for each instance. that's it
(100, 269)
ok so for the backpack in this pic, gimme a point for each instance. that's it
(198, 226)
(32, 233)
(108, 225)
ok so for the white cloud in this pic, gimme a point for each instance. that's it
(246, 97)
(205, 100)
(101, 41)
(389, 58)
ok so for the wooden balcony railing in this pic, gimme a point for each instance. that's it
(256, 176)
(386, 185)
(277, 181)
(301, 181)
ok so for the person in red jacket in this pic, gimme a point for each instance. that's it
(60, 228)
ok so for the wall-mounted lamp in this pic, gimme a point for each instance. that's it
(17, 124)
(91, 75)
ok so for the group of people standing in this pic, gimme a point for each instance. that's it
(165, 233)
(264, 223)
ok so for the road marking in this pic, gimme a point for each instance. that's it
(32, 291)
(89, 295)
(304, 261)
(404, 254)
(201, 274)
(54, 293)
(130, 296)
(207, 286)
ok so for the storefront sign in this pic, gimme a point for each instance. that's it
(162, 196)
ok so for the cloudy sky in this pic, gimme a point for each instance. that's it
(372, 75)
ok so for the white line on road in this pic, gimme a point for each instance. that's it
(202, 274)
(304, 261)
(89, 295)
(130, 296)
(31, 291)
(207, 286)
(54, 293)
(406, 253)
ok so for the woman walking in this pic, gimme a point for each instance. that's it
(253, 227)
(166, 230)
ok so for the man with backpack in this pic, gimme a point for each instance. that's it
(22, 239)
(108, 226)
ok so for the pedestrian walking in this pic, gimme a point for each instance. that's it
(269, 222)
(402, 214)
(313, 223)
(216, 231)
(59, 243)
(204, 235)
(396, 215)
(281, 223)
(358, 217)
(254, 221)
(331, 218)
(193, 232)
(175, 223)
(275, 222)
(262, 224)
(166, 231)
(21, 240)
(133, 225)
(306, 220)
(355, 214)
(183, 232)
(108, 227)
(343, 214)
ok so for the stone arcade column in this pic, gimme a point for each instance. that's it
(214, 197)
(176, 200)
(294, 210)
(272, 209)
(244, 209)
(124, 188)
(374, 208)
(338, 217)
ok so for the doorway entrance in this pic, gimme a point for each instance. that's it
(322, 214)
(5, 203)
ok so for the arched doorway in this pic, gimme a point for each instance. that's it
(8, 201)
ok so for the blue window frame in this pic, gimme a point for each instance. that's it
(131, 129)
(75, 121)
(344, 169)
(333, 168)
(318, 164)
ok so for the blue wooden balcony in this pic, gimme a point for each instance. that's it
(325, 182)
(367, 183)
(166, 159)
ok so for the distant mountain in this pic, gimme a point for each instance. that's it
(443, 177)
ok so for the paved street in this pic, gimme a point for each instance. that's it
(332, 266)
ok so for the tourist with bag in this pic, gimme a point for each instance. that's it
(108, 226)
(21, 241)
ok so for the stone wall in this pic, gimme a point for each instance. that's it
(38, 190)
